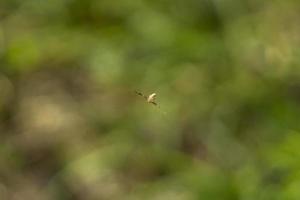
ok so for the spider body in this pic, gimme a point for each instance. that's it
(150, 99)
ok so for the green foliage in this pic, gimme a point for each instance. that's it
(227, 81)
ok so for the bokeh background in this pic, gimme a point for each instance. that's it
(227, 77)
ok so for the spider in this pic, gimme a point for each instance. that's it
(150, 99)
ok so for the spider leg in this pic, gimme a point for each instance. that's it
(140, 94)
(154, 103)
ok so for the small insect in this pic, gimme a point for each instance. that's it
(150, 99)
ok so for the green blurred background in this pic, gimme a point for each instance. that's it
(227, 77)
